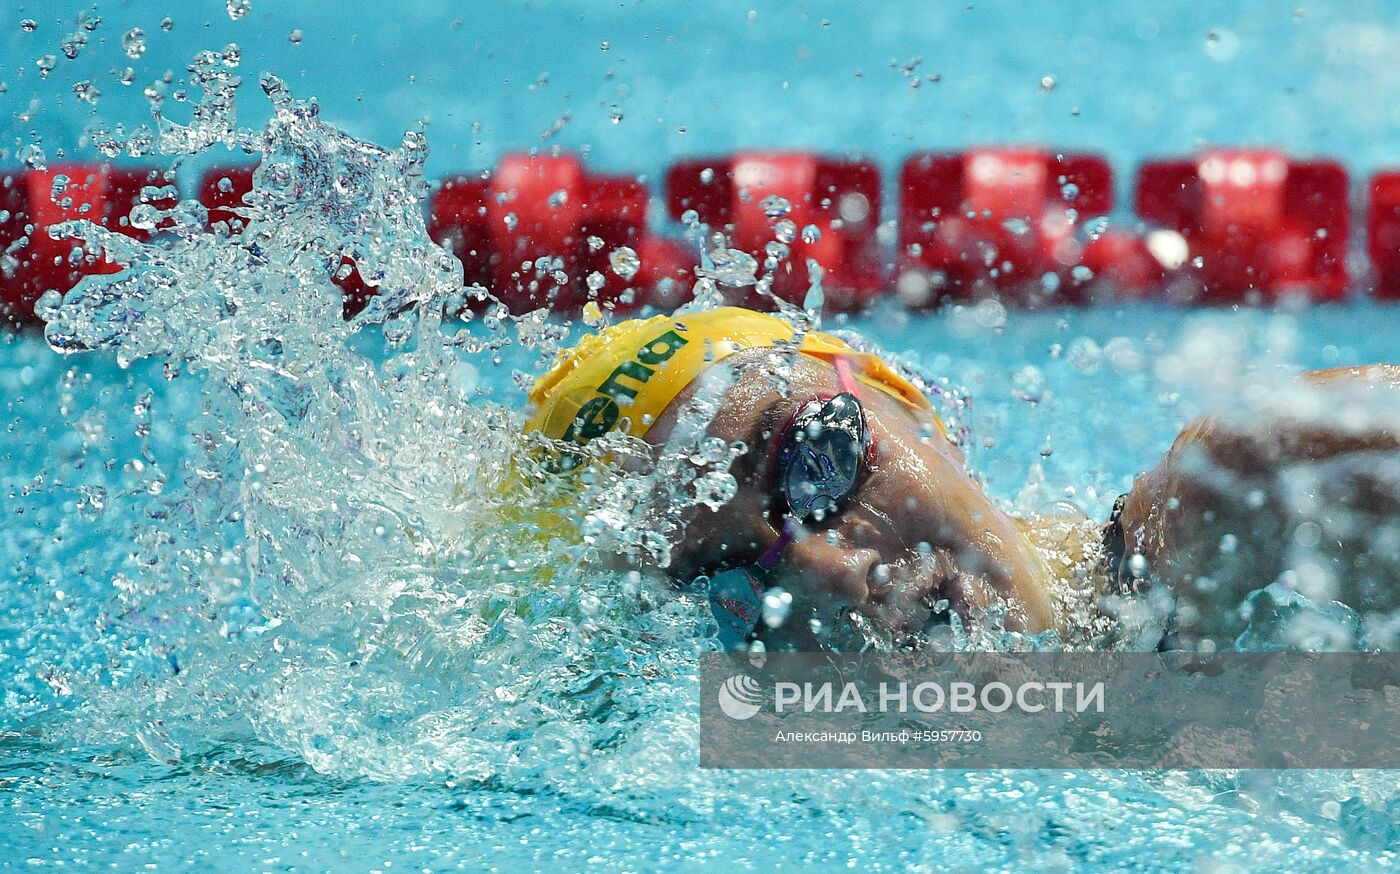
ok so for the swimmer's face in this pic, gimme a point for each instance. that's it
(916, 528)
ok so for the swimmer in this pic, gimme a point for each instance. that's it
(852, 499)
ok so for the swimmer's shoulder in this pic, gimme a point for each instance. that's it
(1380, 374)
(1072, 547)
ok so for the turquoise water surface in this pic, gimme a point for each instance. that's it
(264, 602)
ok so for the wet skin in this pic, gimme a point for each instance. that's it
(916, 529)
(919, 528)
(1220, 515)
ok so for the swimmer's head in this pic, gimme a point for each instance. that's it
(624, 377)
(907, 526)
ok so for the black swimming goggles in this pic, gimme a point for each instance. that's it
(818, 462)
(821, 457)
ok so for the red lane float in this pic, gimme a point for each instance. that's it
(1127, 265)
(1383, 234)
(1255, 223)
(543, 231)
(1232, 225)
(221, 191)
(833, 207)
(1003, 221)
(32, 201)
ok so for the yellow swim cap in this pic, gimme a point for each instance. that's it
(631, 371)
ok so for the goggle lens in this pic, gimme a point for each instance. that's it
(821, 456)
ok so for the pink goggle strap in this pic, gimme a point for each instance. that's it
(845, 377)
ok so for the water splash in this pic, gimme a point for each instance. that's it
(360, 560)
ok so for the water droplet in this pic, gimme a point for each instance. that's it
(1222, 45)
(105, 143)
(87, 92)
(46, 65)
(142, 141)
(604, 45)
(134, 43)
(705, 293)
(167, 24)
(853, 207)
(707, 175)
(29, 25)
(785, 230)
(913, 288)
(60, 185)
(595, 244)
(733, 267)
(32, 155)
(232, 55)
(1028, 384)
(596, 281)
(1137, 566)
(72, 44)
(559, 198)
(616, 116)
(624, 261)
(775, 206)
(1085, 355)
(510, 221)
(811, 234)
(1047, 83)
(48, 305)
(815, 298)
(592, 314)
(295, 36)
(990, 313)
(144, 217)
(1169, 248)
(1017, 226)
(777, 607)
(239, 8)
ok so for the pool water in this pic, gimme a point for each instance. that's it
(246, 793)
(273, 599)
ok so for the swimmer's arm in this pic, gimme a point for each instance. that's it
(1263, 445)
(1219, 481)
